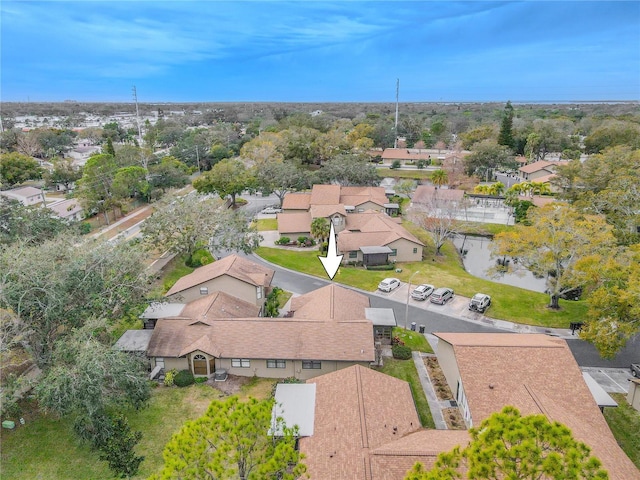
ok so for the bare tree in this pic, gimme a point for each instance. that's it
(439, 216)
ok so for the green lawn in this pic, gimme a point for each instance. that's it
(265, 224)
(415, 341)
(509, 303)
(406, 370)
(46, 448)
(396, 173)
(174, 271)
(624, 422)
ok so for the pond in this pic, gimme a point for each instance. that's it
(478, 262)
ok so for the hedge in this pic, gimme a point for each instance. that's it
(183, 378)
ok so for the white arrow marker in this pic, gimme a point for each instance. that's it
(331, 262)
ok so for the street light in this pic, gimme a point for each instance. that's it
(406, 312)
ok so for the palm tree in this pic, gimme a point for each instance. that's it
(439, 178)
(320, 228)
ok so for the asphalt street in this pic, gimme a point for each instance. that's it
(435, 320)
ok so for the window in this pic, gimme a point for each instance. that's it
(353, 254)
(276, 364)
(258, 292)
(311, 364)
(240, 362)
(204, 290)
(415, 249)
(394, 252)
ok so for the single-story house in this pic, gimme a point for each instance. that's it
(28, 196)
(535, 373)
(235, 275)
(365, 426)
(69, 209)
(375, 239)
(264, 347)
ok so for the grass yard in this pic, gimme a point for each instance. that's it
(265, 224)
(406, 370)
(416, 174)
(46, 449)
(415, 341)
(508, 302)
(624, 422)
(174, 271)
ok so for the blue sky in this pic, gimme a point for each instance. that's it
(305, 51)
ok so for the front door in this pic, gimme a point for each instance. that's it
(200, 365)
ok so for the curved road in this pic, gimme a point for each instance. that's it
(584, 353)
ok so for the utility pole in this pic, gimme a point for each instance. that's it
(135, 99)
(395, 141)
(198, 158)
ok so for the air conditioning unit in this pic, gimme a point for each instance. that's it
(220, 375)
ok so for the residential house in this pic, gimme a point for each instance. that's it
(360, 216)
(633, 397)
(69, 210)
(28, 196)
(414, 155)
(365, 426)
(81, 153)
(537, 170)
(340, 304)
(235, 275)
(535, 373)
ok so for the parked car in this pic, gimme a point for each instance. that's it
(480, 302)
(441, 295)
(422, 292)
(635, 369)
(388, 284)
(271, 210)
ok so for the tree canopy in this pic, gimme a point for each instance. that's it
(233, 440)
(16, 168)
(508, 445)
(226, 178)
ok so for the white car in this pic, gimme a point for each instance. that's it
(388, 284)
(271, 210)
(422, 292)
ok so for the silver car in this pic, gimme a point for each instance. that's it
(388, 284)
(422, 292)
(441, 295)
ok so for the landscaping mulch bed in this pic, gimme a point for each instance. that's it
(231, 385)
(452, 416)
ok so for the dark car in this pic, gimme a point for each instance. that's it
(635, 369)
(441, 295)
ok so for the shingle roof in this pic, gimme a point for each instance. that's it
(325, 195)
(536, 374)
(294, 222)
(66, 208)
(234, 266)
(358, 195)
(326, 211)
(265, 338)
(357, 410)
(296, 201)
(375, 229)
(403, 154)
(539, 165)
(330, 303)
(22, 192)
(218, 305)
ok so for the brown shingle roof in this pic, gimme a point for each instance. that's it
(375, 229)
(330, 303)
(537, 166)
(357, 410)
(66, 208)
(355, 196)
(234, 266)
(262, 338)
(218, 305)
(403, 154)
(294, 222)
(296, 201)
(325, 211)
(325, 195)
(536, 374)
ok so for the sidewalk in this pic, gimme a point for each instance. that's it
(132, 218)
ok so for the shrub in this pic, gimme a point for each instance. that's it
(401, 352)
(169, 377)
(283, 240)
(84, 228)
(381, 267)
(201, 379)
(422, 164)
(183, 378)
(302, 240)
(199, 258)
(396, 164)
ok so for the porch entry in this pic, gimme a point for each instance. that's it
(201, 366)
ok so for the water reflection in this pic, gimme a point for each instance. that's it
(478, 262)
